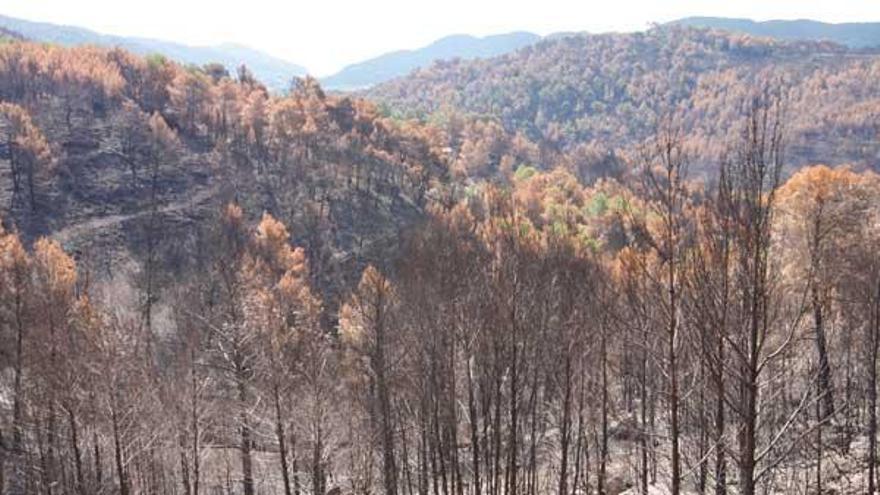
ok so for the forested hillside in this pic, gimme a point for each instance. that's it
(655, 287)
(612, 90)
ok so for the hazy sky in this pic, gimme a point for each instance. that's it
(324, 35)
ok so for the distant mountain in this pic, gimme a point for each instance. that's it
(274, 72)
(853, 35)
(400, 63)
(7, 34)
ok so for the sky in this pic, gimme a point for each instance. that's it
(326, 35)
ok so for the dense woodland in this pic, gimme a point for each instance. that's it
(205, 288)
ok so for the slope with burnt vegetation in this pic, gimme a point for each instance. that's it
(116, 154)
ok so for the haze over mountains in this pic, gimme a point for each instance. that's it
(276, 73)
(273, 71)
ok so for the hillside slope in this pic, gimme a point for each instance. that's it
(143, 150)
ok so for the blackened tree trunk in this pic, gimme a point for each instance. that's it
(603, 447)
(77, 453)
(720, 445)
(872, 392)
(121, 475)
(247, 469)
(280, 436)
(475, 437)
(825, 390)
(389, 464)
(565, 428)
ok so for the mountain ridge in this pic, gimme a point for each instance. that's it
(398, 63)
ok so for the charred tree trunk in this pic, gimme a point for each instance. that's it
(77, 453)
(118, 453)
(247, 469)
(603, 447)
(475, 437)
(872, 392)
(825, 390)
(18, 398)
(720, 446)
(565, 428)
(280, 437)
